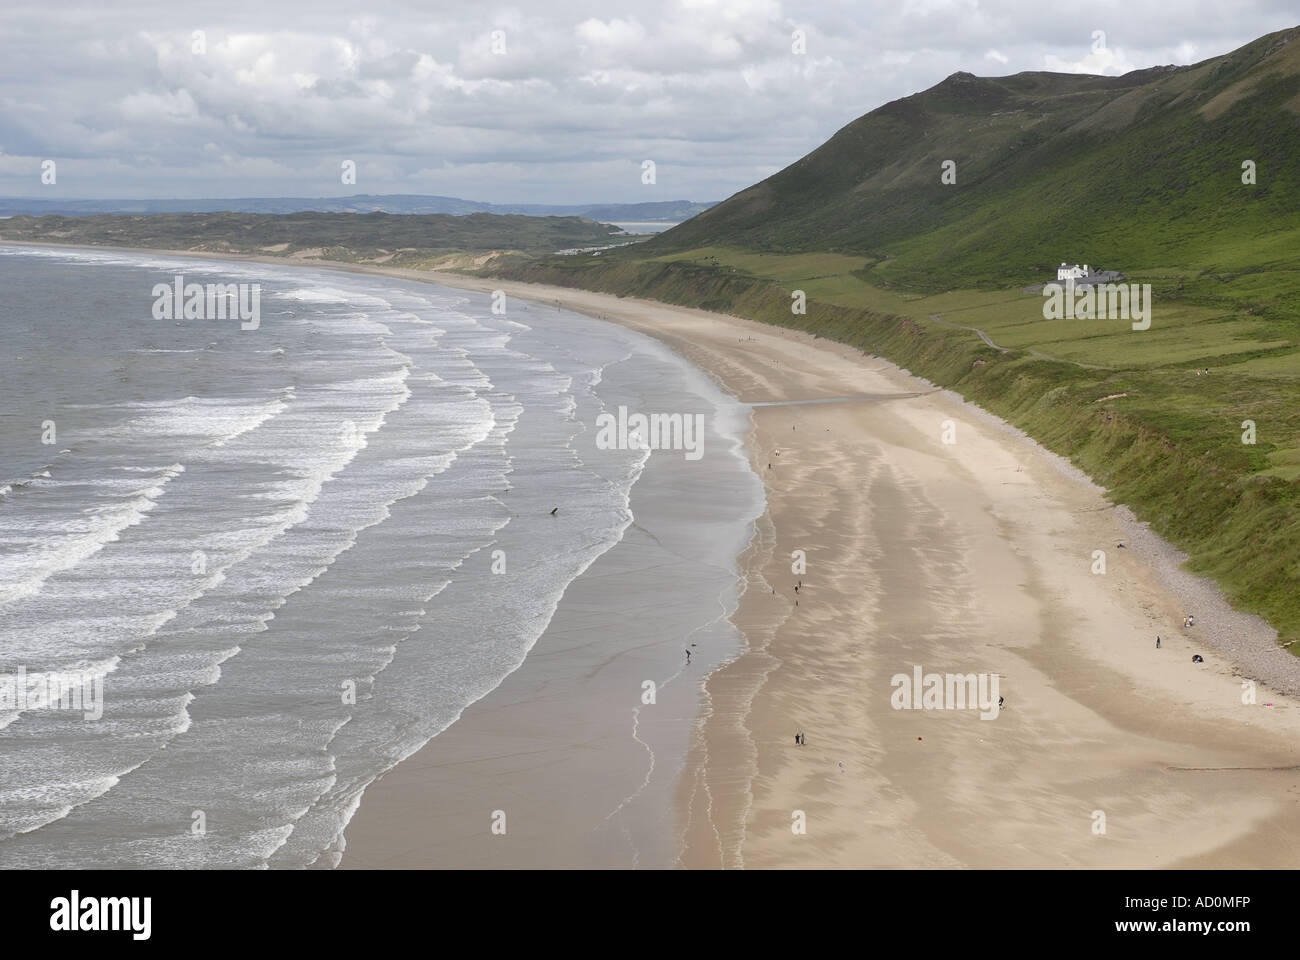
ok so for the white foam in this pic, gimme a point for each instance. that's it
(23, 573)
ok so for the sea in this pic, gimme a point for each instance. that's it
(296, 554)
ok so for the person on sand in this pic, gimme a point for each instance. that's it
(688, 656)
(1157, 643)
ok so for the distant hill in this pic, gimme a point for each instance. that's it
(664, 211)
(1145, 169)
(399, 240)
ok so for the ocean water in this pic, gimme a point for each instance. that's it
(238, 528)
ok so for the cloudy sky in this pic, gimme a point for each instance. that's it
(553, 102)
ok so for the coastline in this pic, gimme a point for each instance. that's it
(969, 557)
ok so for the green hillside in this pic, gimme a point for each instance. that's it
(1143, 170)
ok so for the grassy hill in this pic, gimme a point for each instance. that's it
(1140, 173)
(1139, 170)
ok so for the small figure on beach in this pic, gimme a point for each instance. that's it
(1197, 658)
(1157, 643)
(1001, 700)
(688, 656)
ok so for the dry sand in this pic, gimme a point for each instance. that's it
(970, 557)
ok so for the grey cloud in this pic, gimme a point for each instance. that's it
(415, 95)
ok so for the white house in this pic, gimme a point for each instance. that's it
(1071, 273)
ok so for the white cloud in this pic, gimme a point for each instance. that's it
(1111, 61)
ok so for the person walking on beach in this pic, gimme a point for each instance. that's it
(1157, 643)
(688, 657)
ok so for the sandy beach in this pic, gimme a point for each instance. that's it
(976, 556)
(970, 557)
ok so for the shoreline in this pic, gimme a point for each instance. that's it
(919, 554)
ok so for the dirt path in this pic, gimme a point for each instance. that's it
(1033, 353)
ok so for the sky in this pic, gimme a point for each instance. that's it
(560, 101)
